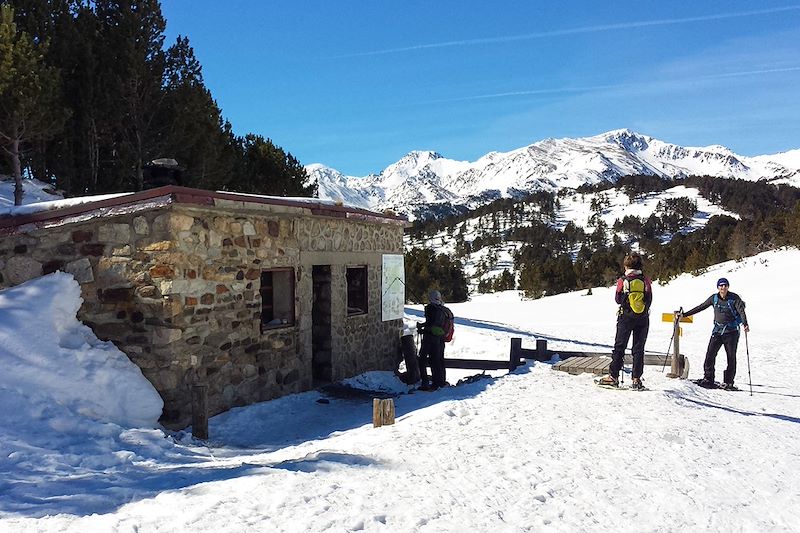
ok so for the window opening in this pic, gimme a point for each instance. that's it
(356, 290)
(277, 298)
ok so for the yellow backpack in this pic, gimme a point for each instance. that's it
(634, 295)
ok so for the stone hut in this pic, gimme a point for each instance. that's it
(255, 297)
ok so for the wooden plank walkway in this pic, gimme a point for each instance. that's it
(598, 364)
(578, 365)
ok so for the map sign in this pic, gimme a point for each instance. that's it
(393, 287)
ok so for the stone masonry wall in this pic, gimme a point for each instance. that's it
(360, 342)
(177, 289)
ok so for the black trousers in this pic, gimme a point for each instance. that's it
(432, 351)
(627, 325)
(730, 340)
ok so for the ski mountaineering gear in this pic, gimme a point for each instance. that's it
(729, 314)
(608, 382)
(444, 323)
(737, 317)
(634, 295)
(710, 384)
(433, 339)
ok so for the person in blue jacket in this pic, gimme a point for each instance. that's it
(729, 314)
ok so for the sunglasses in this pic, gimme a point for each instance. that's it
(722, 285)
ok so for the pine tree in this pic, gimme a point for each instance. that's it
(267, 169)
(29, 106)
(132, 64)
(195, 133)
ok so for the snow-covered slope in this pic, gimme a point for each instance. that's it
(531, 450)
(33, 191)
(422, 179)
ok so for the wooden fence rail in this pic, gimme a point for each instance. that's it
(518, 355)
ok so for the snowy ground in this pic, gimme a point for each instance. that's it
(536, 450)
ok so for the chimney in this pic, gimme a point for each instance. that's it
(160, 172)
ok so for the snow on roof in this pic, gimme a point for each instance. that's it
(86, 207)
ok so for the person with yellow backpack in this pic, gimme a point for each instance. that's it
(634, 295)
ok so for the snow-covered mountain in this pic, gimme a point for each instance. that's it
(423, 182)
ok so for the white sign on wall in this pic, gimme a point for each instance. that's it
(393, 287)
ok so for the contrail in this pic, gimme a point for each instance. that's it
(574, 31)
(590, 88)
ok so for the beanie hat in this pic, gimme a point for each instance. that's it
(721, 281)
(435, 297)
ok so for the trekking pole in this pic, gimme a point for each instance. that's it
(747, 350)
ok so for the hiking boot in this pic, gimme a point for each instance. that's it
(608, 381)
(728, 386)
(636, 384)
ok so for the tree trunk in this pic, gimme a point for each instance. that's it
(94, 158)
(16, 167)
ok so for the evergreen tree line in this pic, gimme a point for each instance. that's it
(516, 209)
(770, 218)
(427, 270)
(89, 95)
(546, 262)
(749, 199)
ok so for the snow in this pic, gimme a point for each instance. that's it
(33, 191)
(533, 450)
(36, 201)
(45, 347)
(575, 208)
(789, 159)
(428, 178)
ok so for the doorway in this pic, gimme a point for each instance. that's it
(321, 353)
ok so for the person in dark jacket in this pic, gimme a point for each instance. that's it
(634, 295)
(432, 348)
(729, 314)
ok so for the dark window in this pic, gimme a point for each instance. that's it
(277, 298)
(356, 290)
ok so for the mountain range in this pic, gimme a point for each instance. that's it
(424, 183)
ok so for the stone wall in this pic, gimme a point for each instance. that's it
(177, 289)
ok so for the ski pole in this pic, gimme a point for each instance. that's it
(747, 350)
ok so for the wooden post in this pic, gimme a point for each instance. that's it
(410, 357)
(515, 353)
(382, 412)
(200, 411)
(541, 350)
(676, 368)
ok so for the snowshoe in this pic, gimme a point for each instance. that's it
(636, 384)
(607, 382)
(729, 387)
(706, 383)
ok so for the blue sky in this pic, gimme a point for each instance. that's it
(357, 85)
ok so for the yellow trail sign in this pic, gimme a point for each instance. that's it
(670, 317)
